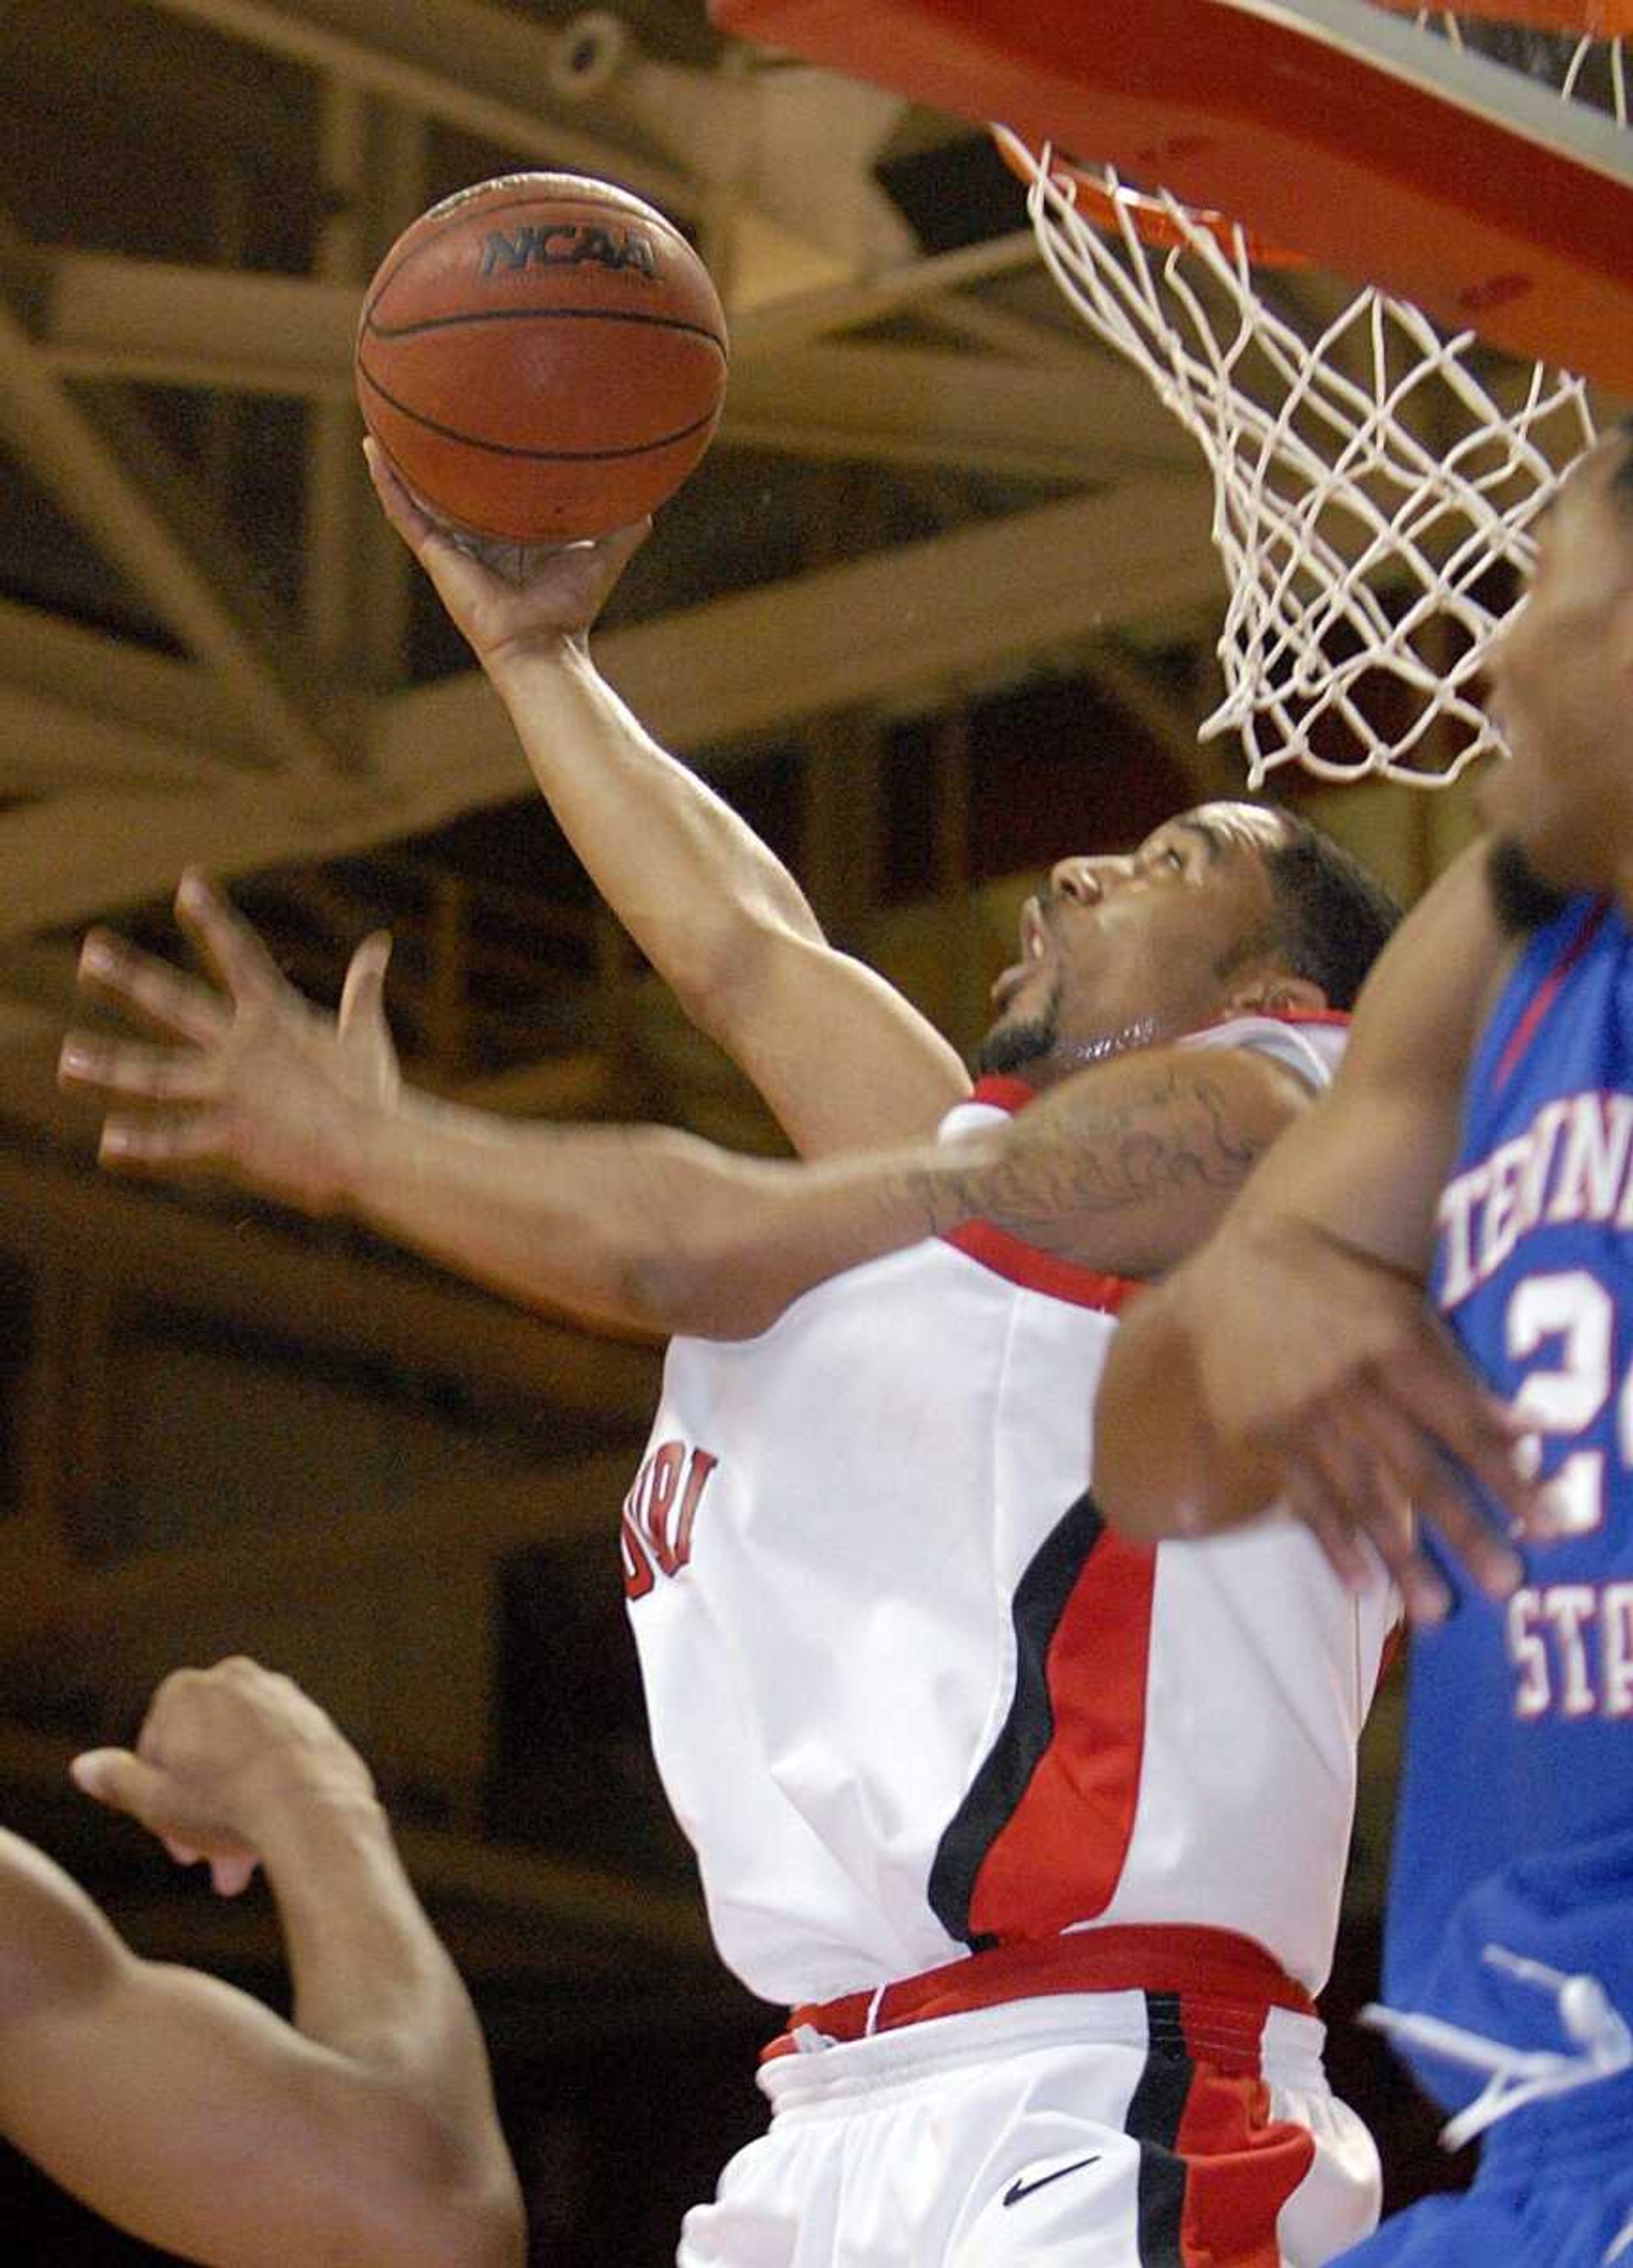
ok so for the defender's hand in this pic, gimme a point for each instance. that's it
(507, 597)
(255, 1082)
(222, 1755)
(1338, 1371)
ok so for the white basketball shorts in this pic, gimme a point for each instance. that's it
(1093, 2129)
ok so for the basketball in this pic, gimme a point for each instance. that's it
(543, 357)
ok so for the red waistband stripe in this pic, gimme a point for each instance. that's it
(1228, 1983)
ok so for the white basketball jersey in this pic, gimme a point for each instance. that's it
(909, 1696)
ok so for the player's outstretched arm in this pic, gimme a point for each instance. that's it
(1125, 1167)
(187, 2111)
(631, 1227)
(1293, 1356)
(842, 1060)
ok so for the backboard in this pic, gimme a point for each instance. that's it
(1330, 125)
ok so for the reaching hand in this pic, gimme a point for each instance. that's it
(257, 1083)
(507, 597)
(221, 1753)
(1340, 1372)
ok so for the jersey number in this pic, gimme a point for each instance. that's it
(1576, 1309)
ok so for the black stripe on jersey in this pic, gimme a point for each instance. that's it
(1155, 2112)
(1041, 1598)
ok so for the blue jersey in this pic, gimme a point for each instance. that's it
(1517, 1798)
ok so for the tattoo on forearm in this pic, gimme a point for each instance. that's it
(1060, 1167)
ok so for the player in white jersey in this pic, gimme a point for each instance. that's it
(783, 1623)
(1042, 1838)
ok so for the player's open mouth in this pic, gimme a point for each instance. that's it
(1034, 951)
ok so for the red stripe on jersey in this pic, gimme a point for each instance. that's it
(1041, 1271)
(1002, 1091)
(1070, 1832)
(1547, 991)
(1240, 2168)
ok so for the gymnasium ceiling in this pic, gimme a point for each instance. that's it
(209, 645)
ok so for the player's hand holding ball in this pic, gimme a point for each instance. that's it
(506, 596)
(540, 362)
(542, 358)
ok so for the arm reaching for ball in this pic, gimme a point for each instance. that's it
(1122, 1168)
(844, 1062)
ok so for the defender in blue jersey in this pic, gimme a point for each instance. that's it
(1479, 1143)
(1509, 1940)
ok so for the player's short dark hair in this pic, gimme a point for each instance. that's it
(1332, 917)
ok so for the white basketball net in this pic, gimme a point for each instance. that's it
(1369, 472)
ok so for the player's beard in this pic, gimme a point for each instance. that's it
(1009, 1048)
(1520, 899)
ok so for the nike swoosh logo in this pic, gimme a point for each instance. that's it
(1017, 2190)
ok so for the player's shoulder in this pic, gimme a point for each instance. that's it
(1310, 1044)
(1586, 929)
